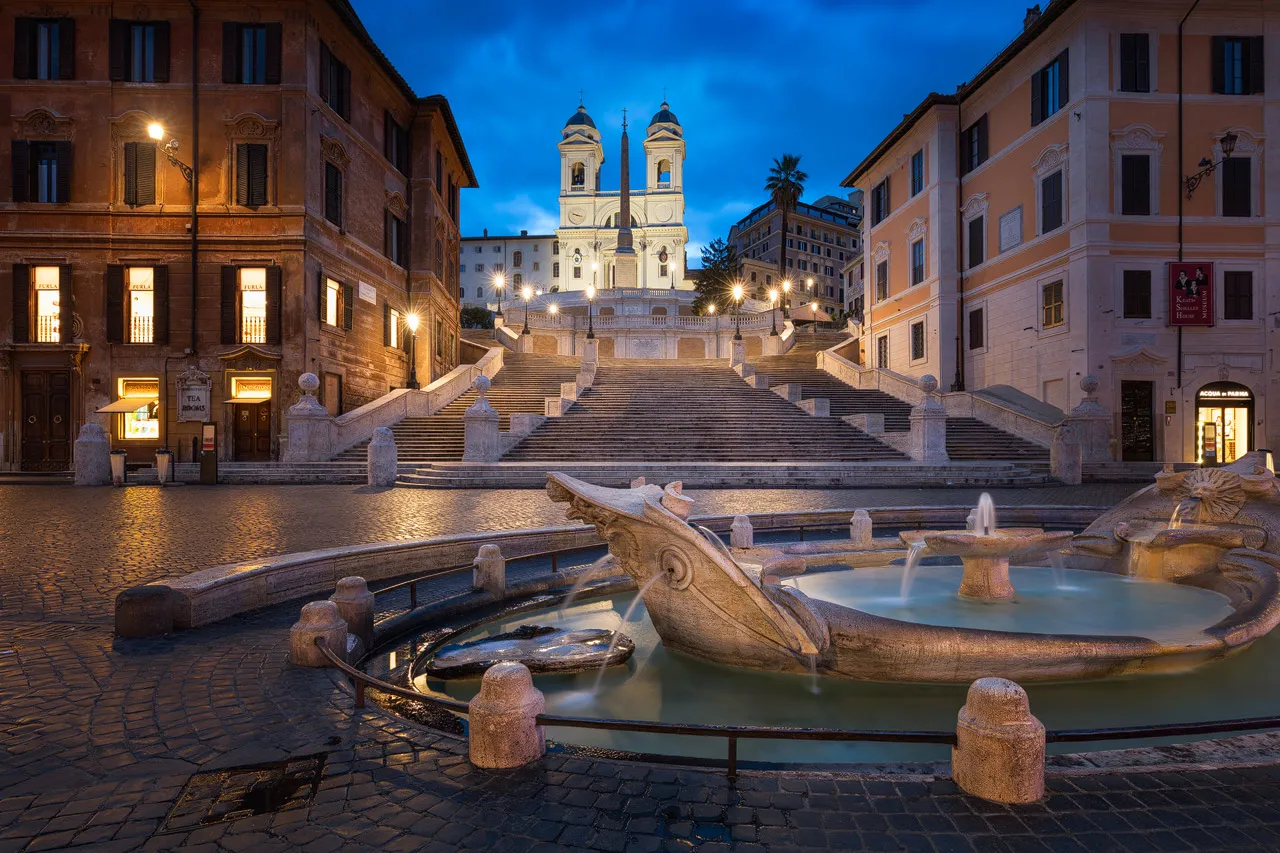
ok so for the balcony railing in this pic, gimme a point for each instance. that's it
(253, 330)
(48, 329)
(721, 322)
(141, 329)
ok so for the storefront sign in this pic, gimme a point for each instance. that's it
(193, 395)
(1171, 407)
(209, 437)
(1191, 294)
(368, 292)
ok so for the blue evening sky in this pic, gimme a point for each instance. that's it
(749, 80)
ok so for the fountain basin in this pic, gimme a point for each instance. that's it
(540, 648)
(986, 555)
(1159, 552)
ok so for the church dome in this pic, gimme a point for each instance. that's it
(664, 116)
(580, 119)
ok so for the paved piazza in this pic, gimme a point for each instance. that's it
(100, 736)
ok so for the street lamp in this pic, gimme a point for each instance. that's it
(526, 293)
(786, 298)
(711, 309)
(156, 131)
(773, 311)
(412, 322)
(553, 309)
(591, 297)
(737, 312)
(499, 281)
(1228, 143)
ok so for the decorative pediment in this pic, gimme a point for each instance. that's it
(1137, 137)
(250, 357)
(1139, 360)
(130, 125)
(1051, 158)
(917, 228)
(334, 152)
(42, 124)
(976, 206)
(880, 252)
(253, 126)
(1247, 142)
(396, 204)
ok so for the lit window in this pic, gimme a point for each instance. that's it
(142, 305)
(141, 420)
(1052, 305)
(253, 305)
(332, 301)
(394, 331)
(48, 307)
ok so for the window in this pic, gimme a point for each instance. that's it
(332, 309)
(479, 267)
(1052, 303)
(973, 146)
(1051, 203)
(335, 83)
(251, 53)
(535, 266)
(253, 305)
(662, 270)
(1137, 294)
(1237, 295)
(139, 173)
(517, 280)
(577, 272)
(142, 305)
(393, 324)
(555, 270)
(977, 329)
(917, 262)
(142, 420)
(664, 174)
(251, 174)
(333, 194)
(917, 341)
(917, 172)
(1237, 186)
(48, 304)
(41, 171)
(882, 281)
(882, 352)
(139, 51)
(880, 202)
(1135, 62)
(44, 49)
(555, 247)
(395, 143)
(1135, 185)
(137, 305)
(517, 259)
(977, 241)
(579, 176)
(1237, 65)
(1049, 89)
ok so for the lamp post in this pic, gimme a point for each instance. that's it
(591, 297)
(773, 312)
(156, 131)
(526, 293)
(737, 312)
(499, 281)
(554, 310)
(1207, 167)
(412, 322)
(786, 298)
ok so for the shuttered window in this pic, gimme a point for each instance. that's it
(395, 144)
(333, 194)
(396, 240)
(1050, 90)
(139, 51)
(251, 174)
(977, 238)
(139, 173)
(917, 262)
(882, 281)
(880, 202)
(1051, 203)
(251, 305)
(1238, 65)
(977, 329)
(917, 341)
(1135, 185)
(1137, 294)
(41, 172)
(335, 83)
(973, 146)
(1135, 62)
(1237, 295)
(1236, 175)
(251, 53)
(917, 173)
(44, 48)
(137, 304)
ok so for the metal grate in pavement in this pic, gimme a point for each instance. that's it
(35, 633)
(220, 796)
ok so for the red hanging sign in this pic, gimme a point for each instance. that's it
(1191, 294)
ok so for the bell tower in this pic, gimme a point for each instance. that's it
(664, 153)
(581, 156)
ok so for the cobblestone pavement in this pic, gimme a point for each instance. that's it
(99, 737)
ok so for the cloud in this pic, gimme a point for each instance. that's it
(524, 214)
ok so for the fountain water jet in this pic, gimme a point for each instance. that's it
(626, 617)
(914, 552)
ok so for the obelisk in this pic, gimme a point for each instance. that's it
(624, 265)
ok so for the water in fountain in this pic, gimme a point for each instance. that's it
(985, 523)
(1057, 561)
(573, 593)
(1180, 511)
(813, 675)
(626, 617)
(909, 569)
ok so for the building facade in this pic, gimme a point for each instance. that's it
(824, 237)
(1027, 230)
(532, 259)
(327, 209)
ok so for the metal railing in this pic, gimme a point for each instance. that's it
(141, 329)
(48, 328)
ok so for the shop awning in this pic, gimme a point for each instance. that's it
(125, 405)
(249, 398)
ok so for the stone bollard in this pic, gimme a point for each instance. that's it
(741, 534)
(1066, 455)
(999, 751)
(144, 611)
(971, 520)
(355, 606)
(490, 573)
(93, 456)
(383, 463)
(860, 530)
(504, 732)
(318, 619)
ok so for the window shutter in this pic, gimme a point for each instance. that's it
(386, 323)
(22, 49)
(322, 292)
(386, 136)
(67, 49)
(1219, 60)
(975, 242)
(230, 60)
(229, 324)
(333, 194)
(1037, 98)
(21, 304)
(160, 299)
(131, 173)
(257, 174)
(242, 174)
(1253, 46)
(275, 38)
(1142, 63)
(162, 51)
(273, 305)
(146, 173)
(402, 243)
(66, 298)
(115, 304)
(62, 150)
(1064, 79)
(21, 169)
(386, 234)
(119, 50)
(982, 140)
(324, 72)
(348, 305)
(344, 93)
(1142, 185)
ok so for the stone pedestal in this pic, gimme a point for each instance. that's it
(929, 426)
(490, 571)
(309, 426)
(144, 611)
(591, 351)
(1092, 423)
(1066, 457)
(986, 578)
(383, 462)
(819, 407)
(355, 606)
(737, 352)
(504, 732)
(480, 423)
(741, 534)
(999, 754)
(318, 619)
(860, 530)
(792, 392)
(871, 423)
(638, 482)
(93, 456)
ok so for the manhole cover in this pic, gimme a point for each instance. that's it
(238, 792)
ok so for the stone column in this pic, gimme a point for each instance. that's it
(591, 351)
(1092, 421)
(480, 421)
(309, 426)
(93, 456)
(490, 571)
(999, 751)
(737, 353)
(504, 732)
(1066, 455)
(929, 426)
(741, 534)
(355, 605)
(384, 465)
(860, 530)
(318, 619)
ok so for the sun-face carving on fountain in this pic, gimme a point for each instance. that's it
(1221, 493)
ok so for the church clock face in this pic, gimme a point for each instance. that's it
(577, 256)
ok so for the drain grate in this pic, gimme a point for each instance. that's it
(220, 796)
(34, 633)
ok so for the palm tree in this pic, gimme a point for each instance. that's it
(785, 184)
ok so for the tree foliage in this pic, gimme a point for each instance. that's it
(719, 272)
(476, 317)
(785, 185)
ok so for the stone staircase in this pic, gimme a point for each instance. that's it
(691, 411)
(968, 439)
(523, 385)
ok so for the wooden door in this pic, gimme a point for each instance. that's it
(252, 431)
(46, 420)
(1137, 422)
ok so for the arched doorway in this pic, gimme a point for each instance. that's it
(1224, 418)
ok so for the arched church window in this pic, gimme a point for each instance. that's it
(517, 259)
(518, 280)
(664, 173)
(555, 247)
(479, 293)
(579, 178)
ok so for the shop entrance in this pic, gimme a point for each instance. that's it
(46, 420)
(252, 431)
(1228, 406)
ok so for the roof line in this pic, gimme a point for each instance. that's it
(442, 103)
